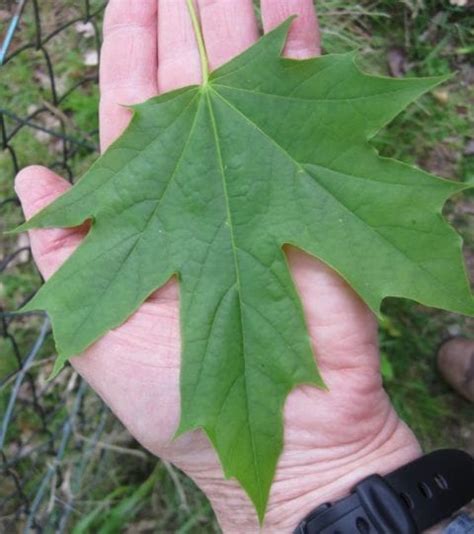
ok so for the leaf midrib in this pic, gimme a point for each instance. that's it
(238, 286)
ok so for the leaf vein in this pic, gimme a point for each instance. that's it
(239, 290)
(301, 167)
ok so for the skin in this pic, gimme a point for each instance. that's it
(332, 439)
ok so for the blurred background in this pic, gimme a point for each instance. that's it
(66, 464)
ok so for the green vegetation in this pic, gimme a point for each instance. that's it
(417, 38)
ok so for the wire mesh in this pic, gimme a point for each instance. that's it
(66, 464)
(41, 421)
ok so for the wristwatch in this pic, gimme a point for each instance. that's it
(407, 501)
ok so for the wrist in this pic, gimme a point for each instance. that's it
(328, 482)
(302, 484)
(308, 478)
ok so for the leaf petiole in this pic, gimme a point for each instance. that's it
(200, 42)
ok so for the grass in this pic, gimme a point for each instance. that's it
(116, 487)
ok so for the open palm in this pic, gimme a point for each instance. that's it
(332, 438)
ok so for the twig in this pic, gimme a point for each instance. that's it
(115, 448)
(66, 120)
(179, 487)
(41, 363)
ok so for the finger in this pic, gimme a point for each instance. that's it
(341, 326)
(178, 55)
(303, 38)
(37, 187)
(229, 27)
(128, 63)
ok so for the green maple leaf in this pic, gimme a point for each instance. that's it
(208, 183)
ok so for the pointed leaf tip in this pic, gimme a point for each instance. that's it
(278, 35)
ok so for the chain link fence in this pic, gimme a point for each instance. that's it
(39, 422)
(58, 442)
(66, 463)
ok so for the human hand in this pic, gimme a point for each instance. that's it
(332, 438)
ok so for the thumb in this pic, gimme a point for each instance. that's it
(37, 187)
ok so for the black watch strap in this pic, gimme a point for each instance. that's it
(406, 501)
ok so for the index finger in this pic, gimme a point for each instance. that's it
(128, 63)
